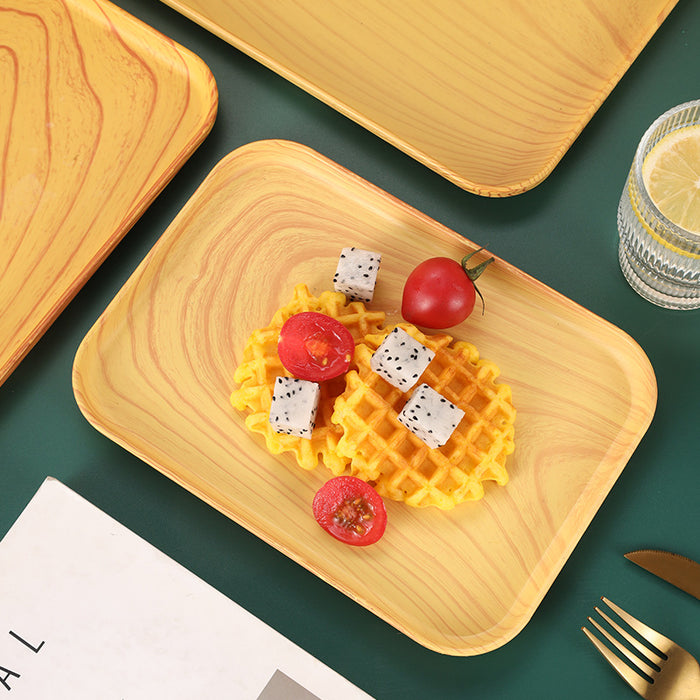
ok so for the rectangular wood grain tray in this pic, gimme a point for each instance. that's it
(490, 94)
(98, 113)
(155, 374)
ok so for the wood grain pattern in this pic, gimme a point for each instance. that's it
(488, 94)
(155, 373)
(98, 112)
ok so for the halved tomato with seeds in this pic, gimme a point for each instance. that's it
(351, 510)
(315, 347)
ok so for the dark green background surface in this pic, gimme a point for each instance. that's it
(563, 233)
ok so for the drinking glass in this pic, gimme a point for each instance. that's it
(660, 259)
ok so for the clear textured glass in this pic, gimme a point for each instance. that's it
(660, 260)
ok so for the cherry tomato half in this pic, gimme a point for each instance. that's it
(440, 292)
(350, 510)
(315, 347)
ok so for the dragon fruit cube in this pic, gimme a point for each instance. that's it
(401, 359)
(294, 406)
(356, 274)
(430, 416)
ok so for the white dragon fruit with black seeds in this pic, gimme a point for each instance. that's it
(294, 406)
(430, 416)
(401, 359)
(356, 274)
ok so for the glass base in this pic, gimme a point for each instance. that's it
(651, 293)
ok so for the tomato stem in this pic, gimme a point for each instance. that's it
(474, 272)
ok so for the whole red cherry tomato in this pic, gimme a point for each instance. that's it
(440, 292)
(350, 510)
(315, 347)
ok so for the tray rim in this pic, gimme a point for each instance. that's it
(88, 409)
(465, 183)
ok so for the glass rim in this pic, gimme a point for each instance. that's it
(644, 148)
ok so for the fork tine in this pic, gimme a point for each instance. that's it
(632, 678)
(634, 659)
(652, 636)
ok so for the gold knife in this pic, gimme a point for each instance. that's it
(678, 570)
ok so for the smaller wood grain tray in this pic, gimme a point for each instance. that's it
(155, 374)
(488, 94)
(98, 111)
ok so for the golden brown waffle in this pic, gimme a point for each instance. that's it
(399, 464)
(261, 365)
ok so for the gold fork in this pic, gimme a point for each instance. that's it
(672, 674)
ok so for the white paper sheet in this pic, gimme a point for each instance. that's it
(90, 610)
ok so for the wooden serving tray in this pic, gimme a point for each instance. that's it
(155, 373)
(488, 94)
(98, 112)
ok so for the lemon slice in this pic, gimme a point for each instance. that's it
(671, 174)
